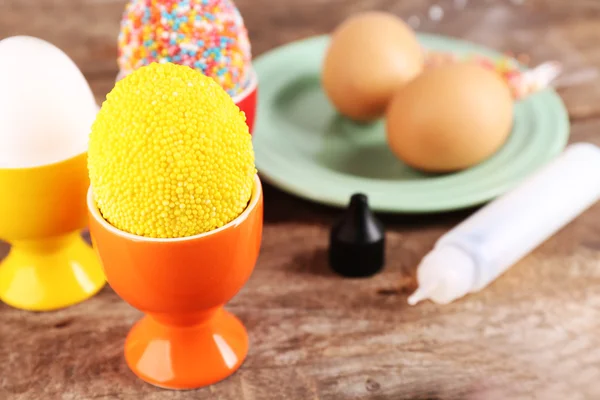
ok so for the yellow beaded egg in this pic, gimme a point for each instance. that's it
(170, 154)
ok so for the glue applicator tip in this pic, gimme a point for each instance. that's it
(420, 294)
(416, 297)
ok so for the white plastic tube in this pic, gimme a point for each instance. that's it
(477, 251)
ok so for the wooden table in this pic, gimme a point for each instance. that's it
(534, 333)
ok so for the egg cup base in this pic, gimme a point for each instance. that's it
(186, 357)
(50, 274)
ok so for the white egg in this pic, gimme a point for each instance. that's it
(46, 105)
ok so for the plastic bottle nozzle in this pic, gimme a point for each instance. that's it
(445, 274)
(422, 293)
(357, 241)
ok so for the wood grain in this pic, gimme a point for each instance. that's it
(534, 333)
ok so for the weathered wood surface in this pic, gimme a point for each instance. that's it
(535, 333)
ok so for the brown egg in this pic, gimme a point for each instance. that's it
(449, 118)
(370, 56)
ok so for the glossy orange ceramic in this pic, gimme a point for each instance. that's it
(186, 340)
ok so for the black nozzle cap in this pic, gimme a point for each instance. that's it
(357, 241)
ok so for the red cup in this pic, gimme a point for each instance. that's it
(246, 100)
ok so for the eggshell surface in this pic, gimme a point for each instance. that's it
(370, 56)
(46, 105)
(450, 118)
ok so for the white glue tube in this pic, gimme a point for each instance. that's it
(478, 250)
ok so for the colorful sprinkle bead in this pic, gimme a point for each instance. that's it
(521, 83)
(207, 35)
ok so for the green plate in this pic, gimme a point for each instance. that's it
(305, 148)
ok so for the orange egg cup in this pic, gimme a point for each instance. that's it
(186, 340)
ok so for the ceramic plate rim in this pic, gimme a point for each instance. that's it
(286, 180)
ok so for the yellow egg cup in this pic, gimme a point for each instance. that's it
(42, 211)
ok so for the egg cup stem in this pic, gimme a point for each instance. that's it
(49, 274)
(186, 351)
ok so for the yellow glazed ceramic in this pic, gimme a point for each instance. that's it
(42, 210)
